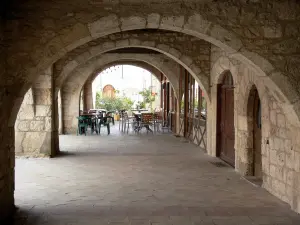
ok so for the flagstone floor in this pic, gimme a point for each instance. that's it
(139, 179)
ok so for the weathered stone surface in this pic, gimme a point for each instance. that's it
(273, 32)
(104, 25)
(279, 142)
(23, 125)
(251, 30)
(168, 42)
(42, 96)
(153, 201)
(26, 112)
(43, 110)
(133, 22)
(32, 142)
(34, 125)
(153, 20)
(37, 125)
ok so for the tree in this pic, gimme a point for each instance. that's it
(98, 100)
(127, 103)
(113, 103)
(148, 96)
(141, 105)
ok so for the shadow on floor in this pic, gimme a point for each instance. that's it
(63, 154)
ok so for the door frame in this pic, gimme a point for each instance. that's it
(222, 85)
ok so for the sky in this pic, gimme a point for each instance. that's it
(133, 77)
(134, 80)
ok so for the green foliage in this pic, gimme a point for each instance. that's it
(147, 95)
(141, 105)
(127, 103)
(98, 99)
(148, 98)
(115, 103)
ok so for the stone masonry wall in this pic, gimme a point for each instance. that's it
(280, 135)
(35, 134)
(252, 30)
(193, 53)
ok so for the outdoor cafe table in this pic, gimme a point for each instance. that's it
(139, 110)
(138, 117)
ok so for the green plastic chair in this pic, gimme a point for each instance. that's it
(104, 122)
(82, 124)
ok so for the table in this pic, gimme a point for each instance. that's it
(139, 126)
(139, 110)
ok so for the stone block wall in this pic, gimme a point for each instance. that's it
(35, 128)
(191, 52)
(278, 154)
(265, 28)
(280, 131)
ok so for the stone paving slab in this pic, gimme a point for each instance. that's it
(139, 179)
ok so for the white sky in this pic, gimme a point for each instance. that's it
(133, 77)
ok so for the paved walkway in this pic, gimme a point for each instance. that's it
(137, 180)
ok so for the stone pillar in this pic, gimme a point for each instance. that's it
(36, 131)
(60, 113)
(70, 110)
(177, 116)
(7, 164)
(87, 96)
(211, 122)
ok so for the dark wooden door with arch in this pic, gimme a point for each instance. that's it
(225, 120)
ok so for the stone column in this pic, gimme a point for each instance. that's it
(60, 113)
(88, 96)
(36, 131)
(7, 164)
(70, 110)
(177, 117)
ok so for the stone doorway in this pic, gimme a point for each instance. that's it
(255, 126)
(225, 120)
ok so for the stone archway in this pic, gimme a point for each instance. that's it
(52, 39)
(72, 86)
(157, 73)
(197, 66)
(83, 31)
(208, 30)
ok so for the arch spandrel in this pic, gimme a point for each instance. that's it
(197, 65)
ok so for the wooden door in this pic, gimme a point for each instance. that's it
(226, 138)
(257, 158)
